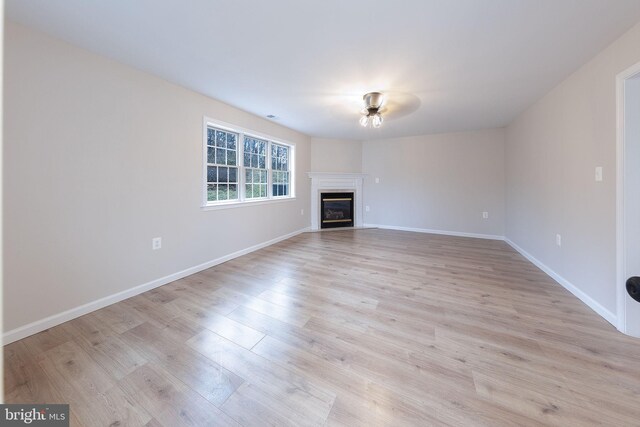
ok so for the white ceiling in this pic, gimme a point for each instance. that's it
(447, 65)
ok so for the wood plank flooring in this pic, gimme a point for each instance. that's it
(349, 328)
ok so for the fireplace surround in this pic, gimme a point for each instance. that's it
(328, 182)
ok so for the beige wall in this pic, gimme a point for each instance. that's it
(99, 159)
(552, 151)
(334, 155)
(437, 182)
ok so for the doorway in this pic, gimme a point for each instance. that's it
(628, 197)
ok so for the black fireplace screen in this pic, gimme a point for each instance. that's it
(336, 210)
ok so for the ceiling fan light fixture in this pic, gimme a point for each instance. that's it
(372, 104)
(377, 120)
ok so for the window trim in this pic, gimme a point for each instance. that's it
(242, 200)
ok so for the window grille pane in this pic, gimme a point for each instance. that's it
(233, 191)
(223, 191)
(212, 174)
(223, 174)
(254, 160)
(212, 192)
(211, 155)
(211, 136)
(232, 155)
(221, 157)
(233, 174)
(231, 141)
(221, 139)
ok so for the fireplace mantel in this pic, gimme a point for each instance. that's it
(336, 182)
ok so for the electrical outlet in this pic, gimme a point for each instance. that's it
(367, 208)
(301, 211)
(558, 240)
(485, 215)
(156, 243)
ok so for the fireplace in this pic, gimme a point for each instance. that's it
(330, 182)
(336, 210)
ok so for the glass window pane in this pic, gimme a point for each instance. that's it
(211, 155)
(261, 162)
(231, 157)
(211, 192)
(233, 174)
(221, 138)
(256, 175)
(211, 135)
(285, 190)
(254, 160)
(263, 176)
(233, 191)
(247, 159)
(263, 190)
(231, 141)
(212, 174)
(223, 174)
(247, 191)
(221, 157)
(248, 174)
(248, 145)
(223, 191)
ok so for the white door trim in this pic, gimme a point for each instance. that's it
(620, 206)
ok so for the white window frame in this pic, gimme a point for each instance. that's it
(242, 200)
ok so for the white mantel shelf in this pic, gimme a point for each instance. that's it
(336, 182)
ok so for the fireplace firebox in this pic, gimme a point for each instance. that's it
(336, 210)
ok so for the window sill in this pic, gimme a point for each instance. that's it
(217, 206)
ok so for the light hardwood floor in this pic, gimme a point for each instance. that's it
(349, 328)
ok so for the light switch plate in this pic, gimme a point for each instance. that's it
(598, 173)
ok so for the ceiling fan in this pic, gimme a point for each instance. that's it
(372, 108)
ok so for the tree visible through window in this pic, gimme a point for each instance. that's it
(222, 158)
(280, 169)
(242, 167)
(255, 164)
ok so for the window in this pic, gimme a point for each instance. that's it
(243, 166)
(255, 167)
(280, 170)
(222, 172)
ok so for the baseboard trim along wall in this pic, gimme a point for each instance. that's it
(590, 302)
(444, 232)
(65, 316)
(586, 299)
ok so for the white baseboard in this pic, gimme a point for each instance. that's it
(444, 232)
(590, 302)
(65, 316)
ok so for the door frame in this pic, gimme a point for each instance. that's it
(620, 205)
